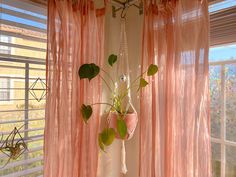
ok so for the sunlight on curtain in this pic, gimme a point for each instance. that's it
(174, 119)
(75, 37)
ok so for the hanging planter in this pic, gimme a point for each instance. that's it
(122, 118)
(130, 120)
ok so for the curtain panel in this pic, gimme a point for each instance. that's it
(75, 37)
(174, 130)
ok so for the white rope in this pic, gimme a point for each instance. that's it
(123, 158)
(124, 58)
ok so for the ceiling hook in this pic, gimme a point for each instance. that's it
(124, 11)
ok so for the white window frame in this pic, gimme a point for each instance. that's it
(222, 141)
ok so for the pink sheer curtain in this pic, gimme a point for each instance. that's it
(174, 120)
(75, 37)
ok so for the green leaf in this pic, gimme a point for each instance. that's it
(112, 59)
(107, 136)
(101, 145)
(88, 71)
(152, 69)
(121, 127)
(142, 83)
(86, 112)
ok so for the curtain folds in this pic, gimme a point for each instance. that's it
(75, 37)
(174, 130)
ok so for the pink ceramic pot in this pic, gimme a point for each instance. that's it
(131, 120)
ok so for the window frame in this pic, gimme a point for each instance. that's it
(27, 119)
(222, 141)
(25, 23)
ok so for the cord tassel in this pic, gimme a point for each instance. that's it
(123, 158)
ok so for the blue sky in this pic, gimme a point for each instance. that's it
(22, 20)
(226, 52)
(222, 5)
(23, 11)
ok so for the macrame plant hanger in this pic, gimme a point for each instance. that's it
(123, 56)
(122, 78)
(122, 84)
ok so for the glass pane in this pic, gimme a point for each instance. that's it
(222, 53)
(17, 106)
(15, 109)
(230, 161)
(215, 91)
(216, 164)
(221, 5)
(230, 90)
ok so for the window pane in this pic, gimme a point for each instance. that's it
(5, 49)
(4, 82)
(221, 5)
(18, 112)
(222, 53)
(230, 90)
(230, 161)
(216, 164)
(215, 91)
(22, 61)
(4, 88)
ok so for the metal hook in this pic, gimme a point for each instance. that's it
(123, 13)
(124, 5)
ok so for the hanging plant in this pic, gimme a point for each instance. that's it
(13, 146)
(120, 128)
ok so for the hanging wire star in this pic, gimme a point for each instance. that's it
(38, 89)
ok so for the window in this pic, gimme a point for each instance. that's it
(23, 26)
(5, 89)
(223, 117)
(5, 40)
(222, 69)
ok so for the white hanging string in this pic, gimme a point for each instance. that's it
(123, 158)
(124, 52)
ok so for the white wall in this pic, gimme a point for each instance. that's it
(134, 35)
(110, 162)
